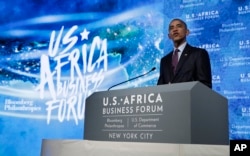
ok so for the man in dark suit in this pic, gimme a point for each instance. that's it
(190, 63)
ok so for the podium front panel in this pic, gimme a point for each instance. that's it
(161, 114)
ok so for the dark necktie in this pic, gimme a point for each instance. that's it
(175, 59)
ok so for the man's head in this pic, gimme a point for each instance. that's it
(177, 31)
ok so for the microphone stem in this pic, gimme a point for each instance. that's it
(131, 79)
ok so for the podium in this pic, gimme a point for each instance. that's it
(181, 113)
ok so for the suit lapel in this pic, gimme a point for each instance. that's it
(186, 52)
(170, 67)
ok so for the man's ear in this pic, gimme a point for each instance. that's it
(169, 36)
(187, 32)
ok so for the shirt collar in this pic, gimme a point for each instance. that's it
(181, 47)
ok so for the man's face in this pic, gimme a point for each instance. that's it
(177, 31)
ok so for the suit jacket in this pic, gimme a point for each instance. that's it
(193, 65)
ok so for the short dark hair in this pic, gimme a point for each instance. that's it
(180, 20)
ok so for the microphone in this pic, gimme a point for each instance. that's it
(132, 78)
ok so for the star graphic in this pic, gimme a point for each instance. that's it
(85, 34)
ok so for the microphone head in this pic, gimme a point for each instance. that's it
(153, 69)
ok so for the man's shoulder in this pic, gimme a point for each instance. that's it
(168, 55)
(194, 48)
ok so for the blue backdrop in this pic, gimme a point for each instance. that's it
(55, 53)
